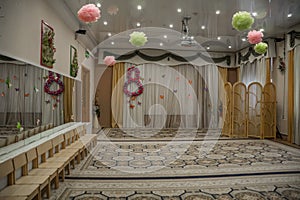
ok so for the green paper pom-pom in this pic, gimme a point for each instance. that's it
(242, 21)
(138, 39)
(261, 48)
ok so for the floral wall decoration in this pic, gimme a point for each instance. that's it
(47, 45)
(54, 79)
(73, 61)
(89, 13)
(133, 76)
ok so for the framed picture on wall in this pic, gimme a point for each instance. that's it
(73, 61)
(47, 45)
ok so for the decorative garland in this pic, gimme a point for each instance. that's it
(48, 48)
(135, 79)
(74, 64)
(52, 79)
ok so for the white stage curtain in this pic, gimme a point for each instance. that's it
(254, 72)
(183, 96)
(297, 95)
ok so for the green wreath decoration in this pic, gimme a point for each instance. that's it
(48, 48)
(74, 65)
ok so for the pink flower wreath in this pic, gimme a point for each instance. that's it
(135, 79)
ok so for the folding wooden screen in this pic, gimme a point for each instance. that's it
(250, 112)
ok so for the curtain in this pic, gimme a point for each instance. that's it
(254, 72)
(222, 81)
(20, 90)
(174, 97)
(297, 95)
(68, 99)
(291, 96)
(117, 95)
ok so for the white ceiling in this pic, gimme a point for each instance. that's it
(272, 16)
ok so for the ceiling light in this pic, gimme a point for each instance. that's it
(165, 36)
(202, 27)
(161, 44)
(179, 10)
(112, 43)
(207, 47)
(243, 39)
(98, 5)
(261, 30)
(138, 24)
(192, 37)
(218, 12)
(254, 14)
(289, 15)
(229, 46)
(105, 23)
(171, 25)
(219, 38)
(109, 34)
(139, 7)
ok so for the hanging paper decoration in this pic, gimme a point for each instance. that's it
(15, 77)
(36, 90)
(51, 80)
(2, 94)
(26, 95)
(135, 79)
(242, 21)
(19, 126)
(38, 122)
(161, 96)
(131, 106)
(2, 81)
(255, 37)
(8, 83)
(109, 60)
(175, 91)
(139, 103)
(281, 65)
(112, 10)
(138, 39)
(261, 48)
(163, 76)
(190, 82)
(47, 101)
(17, 89)
(89, 13)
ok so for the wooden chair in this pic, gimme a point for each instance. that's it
(43, 181)
(32, 157)
(16, 191)
(42, 150)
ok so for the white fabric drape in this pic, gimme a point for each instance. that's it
(254, 72)
(297, 95)
(183, 96)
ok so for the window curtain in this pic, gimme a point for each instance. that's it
(297, 95)
(254, 72)
(291, 96)
(222, 81)
(68, 99)
(174, 97)
(20, 89)
(117, 95)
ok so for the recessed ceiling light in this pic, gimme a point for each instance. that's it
(165, 36)
(171, 25)
(179, 10)
(229, 46)
(161, 44)
(219, 38)
(202, 27)
(289, 15)
(192, 37)
(261, 30)
(207, 47)
(218, 12)
(139, 7)
(109, 34)
(243, 39)
(138, 24)
(112, 43)
(254, 14)
(105, 23)
(98, 5)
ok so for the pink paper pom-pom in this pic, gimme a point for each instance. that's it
(255, 37)
(89, 13)
(109, 60)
